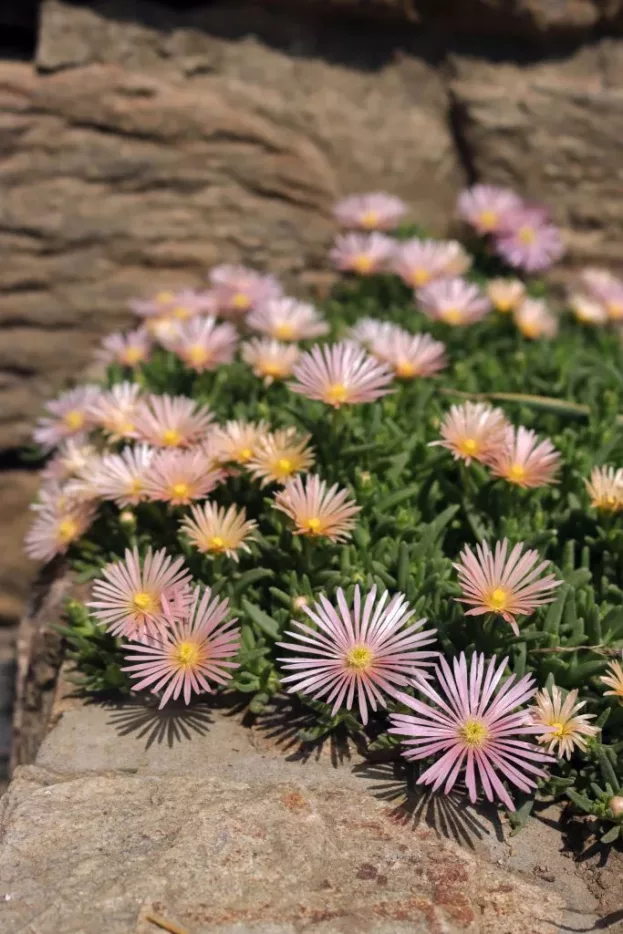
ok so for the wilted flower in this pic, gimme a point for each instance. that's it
(485, 207)
(419, 262)
(524, 460)
(56, 526)
(473, 431)
(505, 584)
(528, 241)
(605, 488)
(287, 319)
(179, 477)
(587, 310)
(279, 455)
(238, 289)
(68, 416)
(470, 725)
(270, 359)
(410, 355)
(128, 597)
(454, 301)
(356, 654)
(564, 728)
(375, 211)
(214, 530)
(614, 680)
(115, 410)
(340, 374)
(505, 294)
(196, 646)
(365, 254)
(534, 319)
(121, 477)
(238, 441)
(172, 421)
(318, 510)
(129, 349)
(203, 344)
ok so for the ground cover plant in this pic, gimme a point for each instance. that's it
(402, 505)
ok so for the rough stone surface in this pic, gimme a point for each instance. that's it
(17, 489)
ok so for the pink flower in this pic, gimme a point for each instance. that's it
(527, 241)
(115, 411)
(605, 288)
(486, 207)
(128, 598)
(370, 331)
(524, 460)
(563, 728)
(203, 344)
(287, 319)
(586, 309)
(614, 679)
(238, 441)
(375, 211)
(605, 488)
(176, 306)
(270, 359)
(316, 510)
(454, 301)
(172, 421)
(473, 431)
(214, 530)
(419, 262)
(535, 320)
(129, 349)
(59, 523)
(238, 289)
(122, 477)
(472, 725)
(340, 374)
(507, 585)
(68, 416)
(179, 477)
(505, 294)
(196, 646)
(363, 652)
(365, 254)
(70, 459)
(410, 355)
(280, 455)
(456, 260)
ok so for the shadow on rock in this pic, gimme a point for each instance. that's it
(286, 725)
(172, 725)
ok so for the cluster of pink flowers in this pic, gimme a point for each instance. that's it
(597, 298)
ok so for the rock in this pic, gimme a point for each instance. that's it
(17, 489)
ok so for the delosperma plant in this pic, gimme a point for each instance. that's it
(401, 507)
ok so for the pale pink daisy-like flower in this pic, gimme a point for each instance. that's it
(535, 320)
(486, 207)
(454, 301)
(114, 411)
(370, 331)
(410, 355)
(360, 653)
(456, 260)
(172, 421)
(280, 455)
(528, 241)
(196, 646)
(473, 431)
(70, 459)
(287, 319)
(361, 253)
(614, 679)
(56, 526)
(505, 584)
(68, 416)
(238, 289)
(340, 374)
(374, 211)
(419, 262)
(129, 349)
(214, 530)
(586, 309)
(203, 344)
(565, 727)
(179, 477)
(270, 359)
(317, 510)
(524, 460)
(122, 477)
(607, 289)
(176, 306)
(475, 725)
(238, 440)
(505, 294)
(605, 488)
(128, 598)
(164, 330)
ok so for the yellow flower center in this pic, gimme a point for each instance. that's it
(181, 313)
(420, 277)
(488, 220)
(132, 355)
(451, 315)
(163, 298)
(197, 355)
(559, 729)
(497, 600)
(503, 304)
(516, 473)
(180, 490)
(530, 329)
(284, 466)
(75, 420)
(245, 454)
(144, 602)
(360, 658)
(186, 654)
(124, 428)
(362, 263)
(405, 369)
(314, 525)
(526, 235)
(135, 487)
(615, 310)
(284, 332)
(271, 369)
(474, 733)
(67, 530)
(468, 447)
(171, 437)
(336, 394)
(241, 301)
(216, 543)
(369, 220)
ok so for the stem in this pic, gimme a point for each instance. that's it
(605, 650)
(170, 926)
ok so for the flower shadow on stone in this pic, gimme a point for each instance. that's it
(283, 725)
(172, 725)
(450, 816)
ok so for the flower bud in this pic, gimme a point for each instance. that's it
(127, 518)
(616, 805)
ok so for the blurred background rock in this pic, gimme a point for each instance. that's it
(141, 142)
